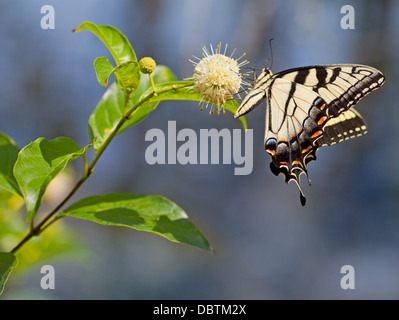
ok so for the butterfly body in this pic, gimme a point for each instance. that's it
(307, 108)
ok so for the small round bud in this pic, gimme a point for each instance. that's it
(147, 65)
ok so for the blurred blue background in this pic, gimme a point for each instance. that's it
(267, 246)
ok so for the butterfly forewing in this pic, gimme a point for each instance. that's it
(341, 86)
(307, 108)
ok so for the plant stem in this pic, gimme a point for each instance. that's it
(35, 231)
(152, 83)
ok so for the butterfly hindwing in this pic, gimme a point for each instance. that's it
(347, 125)
(295, 119)
(307, 108)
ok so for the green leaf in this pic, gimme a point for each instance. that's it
(154, 214)
(185, 91)
(115, 41)
(8, 156)
(110, 109)
(38, 163)
(103, 69)
(7, 262)
(127, 76)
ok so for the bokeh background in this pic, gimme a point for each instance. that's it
(267, 246)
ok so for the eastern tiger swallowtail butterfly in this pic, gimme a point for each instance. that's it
(307, 108)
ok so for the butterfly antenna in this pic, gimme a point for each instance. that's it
(271, 53)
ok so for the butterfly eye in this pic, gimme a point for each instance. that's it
(270, 146)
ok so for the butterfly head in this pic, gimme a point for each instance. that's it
(268, 71)
(265, 74)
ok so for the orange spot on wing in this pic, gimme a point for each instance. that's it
(295, 162)
(272, 152)
(322, 107)
(283, 162)
(307, 149)
(315, 135)
(321, 121)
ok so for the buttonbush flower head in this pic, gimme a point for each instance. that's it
(217, 77)
(147, 65)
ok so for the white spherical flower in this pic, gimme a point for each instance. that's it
(217, 77)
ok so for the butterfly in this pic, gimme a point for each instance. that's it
(307, 108)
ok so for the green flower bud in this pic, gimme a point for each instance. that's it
(147, 65)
